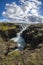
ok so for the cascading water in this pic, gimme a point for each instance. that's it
(19, 39)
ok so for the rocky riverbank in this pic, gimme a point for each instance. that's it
(32, 53)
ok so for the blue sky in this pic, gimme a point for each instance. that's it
(41, 9)
(2, 5)
(4, 2)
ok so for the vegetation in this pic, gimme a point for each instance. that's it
(33, 52)
(5, 26)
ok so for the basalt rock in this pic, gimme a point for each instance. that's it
(6, 35)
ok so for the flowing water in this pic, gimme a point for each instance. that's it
(19, 39)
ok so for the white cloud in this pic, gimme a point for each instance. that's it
(29, 5)
(21, 13)
(4, 20)
(12, 11)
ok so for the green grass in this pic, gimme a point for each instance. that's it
(17, 56)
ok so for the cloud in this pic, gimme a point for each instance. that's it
(28, 10)
(31, 6)
(12, 10)
(5, 20)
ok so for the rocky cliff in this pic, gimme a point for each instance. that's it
(32, 53)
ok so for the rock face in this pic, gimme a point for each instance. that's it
(31, 55)
(8, 34)
(33, 35)
(8, 30)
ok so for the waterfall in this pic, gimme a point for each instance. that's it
(19, 39)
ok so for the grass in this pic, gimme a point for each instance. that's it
(17, 56)
(4, 28)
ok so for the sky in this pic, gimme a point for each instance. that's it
(21, 10)
(2, 5)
